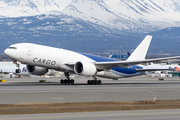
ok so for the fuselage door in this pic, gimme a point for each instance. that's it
(28, 52)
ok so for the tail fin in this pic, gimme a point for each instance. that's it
(141, 51)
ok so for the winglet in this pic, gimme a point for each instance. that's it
(141, 51)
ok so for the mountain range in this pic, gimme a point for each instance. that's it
(91, 25)
(132, 15)
(19, 8)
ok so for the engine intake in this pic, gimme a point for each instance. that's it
(85, 68)
(36, 70)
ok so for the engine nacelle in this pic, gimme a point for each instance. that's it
(85, 68)
(36, 70)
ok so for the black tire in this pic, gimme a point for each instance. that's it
(89, 82)
(68, 82)
(99, 82)
(65, 81)
(72, 81)
(18, 71)
(62, 81)
(95, 82)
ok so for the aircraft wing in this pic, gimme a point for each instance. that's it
(108, 65)
(141, 70)
(173, 71)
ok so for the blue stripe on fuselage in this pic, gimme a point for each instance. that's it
(130, 70)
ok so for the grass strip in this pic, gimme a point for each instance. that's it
(38, 108)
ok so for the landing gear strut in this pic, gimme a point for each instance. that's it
(94, 82)
(17, 65)
(68, 80)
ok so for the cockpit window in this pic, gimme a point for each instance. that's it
(12, 48)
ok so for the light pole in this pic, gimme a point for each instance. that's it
(119, 52)
(58, 45)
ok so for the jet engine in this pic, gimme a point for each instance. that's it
(85, 68)
(36, 70)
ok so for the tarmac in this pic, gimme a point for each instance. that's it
(29, 90)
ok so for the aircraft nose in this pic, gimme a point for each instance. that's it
(6, 52)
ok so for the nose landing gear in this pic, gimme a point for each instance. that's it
(17, 65)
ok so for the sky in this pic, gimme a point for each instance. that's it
(63, 3)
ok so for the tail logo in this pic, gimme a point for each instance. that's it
(24, 69)
(175, 69)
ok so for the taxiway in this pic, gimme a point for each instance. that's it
(170, 114)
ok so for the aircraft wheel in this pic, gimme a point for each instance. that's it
(95, 82)
(89, 82)
(68, 82)
(18, 71)
(99, 82)
(65, 81)
(92, 82)
(72, 81)
(62, 81)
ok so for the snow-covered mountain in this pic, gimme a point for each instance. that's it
(153, 10)
(105, 23)
(133, 15)
(96, 11)
(19, 8)
(122, 15)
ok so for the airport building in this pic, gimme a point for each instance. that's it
(119, 57)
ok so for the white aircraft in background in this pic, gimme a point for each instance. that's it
(21, 70)
(168, 68)
(40, 58)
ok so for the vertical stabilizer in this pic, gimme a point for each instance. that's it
(141, 51)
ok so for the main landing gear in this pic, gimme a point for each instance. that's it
(94, 82)
(71, 81)
(68, 80)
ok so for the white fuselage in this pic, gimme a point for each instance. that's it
(58, 59)
(61, 60)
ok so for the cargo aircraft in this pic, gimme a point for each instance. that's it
(40, 58)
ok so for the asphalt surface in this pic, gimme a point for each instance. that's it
(170, 114)
(29, 90)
